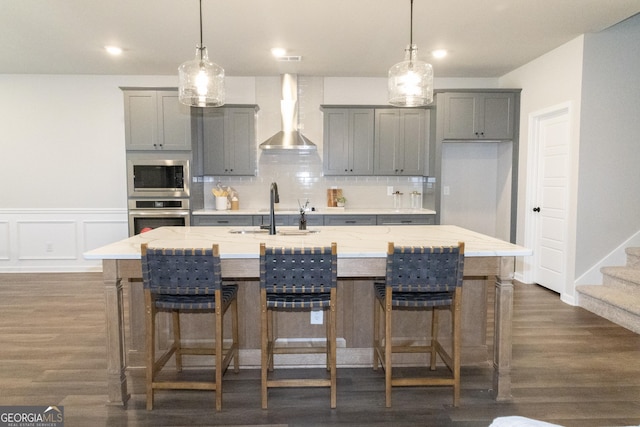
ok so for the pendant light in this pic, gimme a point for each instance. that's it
(201, 81)
(410, 82)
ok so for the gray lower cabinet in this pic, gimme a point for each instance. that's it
(348, 141)
(312, 220)
(406, 219)
(228, 140)
(222, 220)
(478, 115)
(350, 220)
(401, 137)
(155, 120)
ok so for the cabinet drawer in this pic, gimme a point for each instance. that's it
(406, 219)
(349, 220)
(223, 220)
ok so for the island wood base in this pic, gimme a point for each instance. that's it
(124, 317)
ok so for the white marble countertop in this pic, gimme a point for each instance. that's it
(318, 211)
(353, 241)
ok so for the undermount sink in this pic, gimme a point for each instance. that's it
(281, 210)
(285, 232)
(251, 231)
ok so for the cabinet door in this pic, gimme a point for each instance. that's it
(387, 140)
(222, 220)
(336, 141)
(414, 135)
(213, 141)
(461, 113)
(400, 137)
(174, 122)
(361, 141)
(405, 219)
(228, 145)
(239, 141)
(140, 120)
(349, 220)
(348, 141)
(498, 118)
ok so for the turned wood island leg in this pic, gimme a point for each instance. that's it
(502, 340)
(114, 311)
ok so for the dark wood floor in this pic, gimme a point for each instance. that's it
(570, 367)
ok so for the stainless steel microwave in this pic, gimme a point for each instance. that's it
(158, 178)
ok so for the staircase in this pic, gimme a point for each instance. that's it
(618, 299)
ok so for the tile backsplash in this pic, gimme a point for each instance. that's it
(299, 177)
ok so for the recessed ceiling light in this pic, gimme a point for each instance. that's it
(113, 50)
(278, 52)
(439, 53)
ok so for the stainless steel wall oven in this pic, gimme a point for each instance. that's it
(158, 178)
(146, 214)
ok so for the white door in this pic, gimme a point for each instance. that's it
(550, 131)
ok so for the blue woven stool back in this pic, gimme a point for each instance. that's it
(425, 268)
(298, 270)
(191, 271)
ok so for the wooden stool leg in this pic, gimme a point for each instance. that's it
(150, 341)
(218, 349)
(177, 343)
(331, 343)
(388, 348)
(234, 331)
(435, 325)
(376, 333)
(264, 357)
(328, 334)
(456, 343)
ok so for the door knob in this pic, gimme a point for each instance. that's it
(536, 209)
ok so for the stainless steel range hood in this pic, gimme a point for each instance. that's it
(289, 139)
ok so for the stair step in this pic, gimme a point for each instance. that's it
(623, 278)
(633, 257)
(617, 305)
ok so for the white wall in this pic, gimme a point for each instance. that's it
(552, 79)
(609, 196)
(598, 74)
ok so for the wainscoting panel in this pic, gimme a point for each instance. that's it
(4, 240)
(40, 240)
(54, 240)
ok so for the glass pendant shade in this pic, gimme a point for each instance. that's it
(201, 81)
(410, 82)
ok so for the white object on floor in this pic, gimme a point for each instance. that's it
(516, 421)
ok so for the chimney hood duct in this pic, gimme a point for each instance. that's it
(289, 139)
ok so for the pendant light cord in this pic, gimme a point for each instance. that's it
(410, 28)
(201, 45)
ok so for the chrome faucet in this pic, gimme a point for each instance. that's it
(273, 199)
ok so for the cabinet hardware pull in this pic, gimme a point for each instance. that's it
(536, 209)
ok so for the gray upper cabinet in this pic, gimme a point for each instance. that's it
(478, 116)
(400, 141)
(229, 141)
(348, 141)
(155, 120)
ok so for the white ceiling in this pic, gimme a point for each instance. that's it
(486, 38)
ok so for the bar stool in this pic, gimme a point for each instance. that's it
(420, 278)
(189, 280)
(297, 279)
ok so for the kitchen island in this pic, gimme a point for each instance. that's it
(361, 259)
